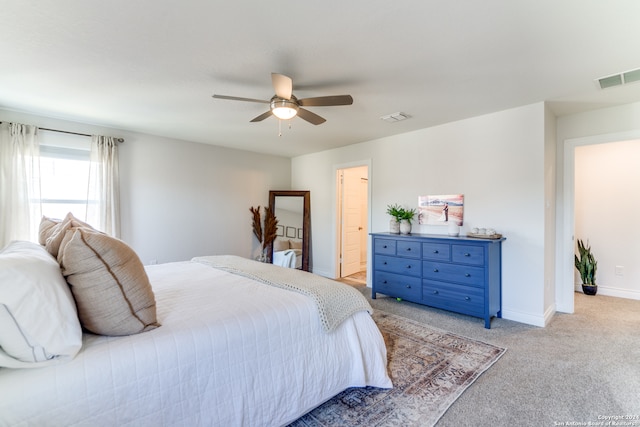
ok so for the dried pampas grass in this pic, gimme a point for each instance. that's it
(270, 226)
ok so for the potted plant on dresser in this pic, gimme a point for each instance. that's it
(586, 265)
(405, 220)
(401, 219)
(396, 212)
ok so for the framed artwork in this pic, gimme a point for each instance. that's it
(280, 230)
(291, 232)
(441, 209)
(299, 233)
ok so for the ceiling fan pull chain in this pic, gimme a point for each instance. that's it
(279, 127)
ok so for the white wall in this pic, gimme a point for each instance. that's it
(497, 161)
(181, 199)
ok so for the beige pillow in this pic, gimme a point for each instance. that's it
(109, 283)
(296, 244)
(280, 245)
(46, 229)
(57, 232)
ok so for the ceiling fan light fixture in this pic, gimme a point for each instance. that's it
(284, 109)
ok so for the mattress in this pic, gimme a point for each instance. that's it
(230, 352)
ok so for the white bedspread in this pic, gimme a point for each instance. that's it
(230, 352)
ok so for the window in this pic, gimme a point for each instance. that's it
(64, 175)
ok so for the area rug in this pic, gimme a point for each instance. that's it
(430, 369)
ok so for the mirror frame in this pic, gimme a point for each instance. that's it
(306, 221)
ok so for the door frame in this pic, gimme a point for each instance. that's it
(337, 214)
(565, 286)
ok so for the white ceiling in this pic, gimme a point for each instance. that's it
(152, 65)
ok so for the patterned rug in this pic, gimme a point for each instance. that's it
(429, 368)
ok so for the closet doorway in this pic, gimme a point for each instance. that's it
(353, 224)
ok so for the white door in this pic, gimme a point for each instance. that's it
(352, 227)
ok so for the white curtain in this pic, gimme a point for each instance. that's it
(19, 182)
(103, 197)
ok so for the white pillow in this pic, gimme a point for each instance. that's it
(38, 320)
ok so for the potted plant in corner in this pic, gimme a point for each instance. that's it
(586, 264)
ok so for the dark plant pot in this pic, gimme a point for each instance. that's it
(589, 289)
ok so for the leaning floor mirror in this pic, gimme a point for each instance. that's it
(291, 246)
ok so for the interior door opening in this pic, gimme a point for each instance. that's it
(353, 208)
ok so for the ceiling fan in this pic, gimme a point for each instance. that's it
(284, 105)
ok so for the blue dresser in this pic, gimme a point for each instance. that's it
(461, 274)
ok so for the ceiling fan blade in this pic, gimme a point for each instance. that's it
(312, 118)
(262, 116)
(237, 98)
(326, 101)
(282, 84)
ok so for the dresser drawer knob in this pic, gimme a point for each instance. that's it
(435, 270)
(435, 292)
(467, 299)
(384, 263)
(467, 275)
(467, 254)
(408, 266)
(408, 286)
(408, 249)
(384, 247)
(435, 251)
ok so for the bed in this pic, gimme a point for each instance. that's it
(226, 348)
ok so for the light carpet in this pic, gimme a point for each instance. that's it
(430, 369)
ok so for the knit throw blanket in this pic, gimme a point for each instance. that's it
(335, 301)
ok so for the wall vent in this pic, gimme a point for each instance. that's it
(619, 79)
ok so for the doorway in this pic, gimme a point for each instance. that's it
(353, 211)
(566, 289)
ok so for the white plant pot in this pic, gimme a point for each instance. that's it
(405, 226)
(394, 226)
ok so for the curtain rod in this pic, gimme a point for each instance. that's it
(120, 140)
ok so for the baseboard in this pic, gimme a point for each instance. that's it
(528, 318)
(614, 292)
(323, 273)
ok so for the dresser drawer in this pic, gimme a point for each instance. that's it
(396, 285)
(467, 254)
(408, 249)
(464, 274)
(385, 246)
(436, 251)
(459, 298)
(411, 267)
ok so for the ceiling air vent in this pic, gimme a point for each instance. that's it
(395, 117)
(619, 79)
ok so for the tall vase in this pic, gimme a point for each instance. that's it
(405, 226)
(394, 226)
(263, 257)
